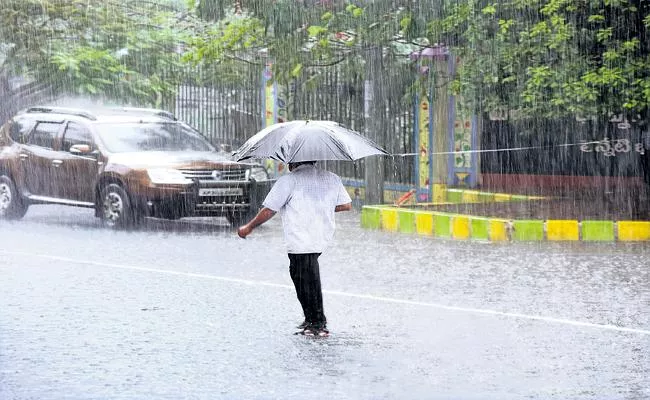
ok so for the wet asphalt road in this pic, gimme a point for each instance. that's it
(190, 311)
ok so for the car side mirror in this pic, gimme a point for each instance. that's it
(80, 149)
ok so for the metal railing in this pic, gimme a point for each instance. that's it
(229, 113)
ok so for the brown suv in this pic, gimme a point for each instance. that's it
(126, 163)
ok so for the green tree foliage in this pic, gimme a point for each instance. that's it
(549, 58)
(252, 32)
(552, 58)
(125, 50)
(543, 58)
(302, 35)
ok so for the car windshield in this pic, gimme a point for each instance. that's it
(151, 136)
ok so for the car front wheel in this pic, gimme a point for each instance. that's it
(12, 206)
(116, 209)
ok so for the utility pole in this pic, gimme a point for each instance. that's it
(375, 114)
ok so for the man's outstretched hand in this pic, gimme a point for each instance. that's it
(264, 215)
(244, 231)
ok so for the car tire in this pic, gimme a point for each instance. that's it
(12, 205)
(116, 209)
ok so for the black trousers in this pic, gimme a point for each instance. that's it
(305, 274)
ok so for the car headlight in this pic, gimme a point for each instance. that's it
(258, 174)
(167, 176)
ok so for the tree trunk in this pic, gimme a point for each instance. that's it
(7, 103)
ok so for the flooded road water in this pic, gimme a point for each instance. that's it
(188, 310)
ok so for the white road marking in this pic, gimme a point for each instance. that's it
(343, 294)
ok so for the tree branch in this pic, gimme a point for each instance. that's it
(330, 64)
(237, 58)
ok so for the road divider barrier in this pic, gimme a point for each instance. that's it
(466, 227)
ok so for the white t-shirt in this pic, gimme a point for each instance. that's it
(306, 199)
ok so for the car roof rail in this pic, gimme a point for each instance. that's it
(151, 111)
(62, 110)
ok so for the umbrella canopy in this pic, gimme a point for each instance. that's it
(298, 141)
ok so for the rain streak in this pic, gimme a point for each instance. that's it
(387, 199)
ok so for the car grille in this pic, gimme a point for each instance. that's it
(221, 174)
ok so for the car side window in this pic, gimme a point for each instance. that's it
(19, 128)
(76, 134)
(44, 134)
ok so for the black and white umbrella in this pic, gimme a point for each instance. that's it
(298, 141)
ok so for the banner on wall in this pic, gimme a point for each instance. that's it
(274, 111)
(463, 167)
(462, 142)
(281, 104)
(269, 96)
(424, 153)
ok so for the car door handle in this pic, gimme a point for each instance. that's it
(57, 163)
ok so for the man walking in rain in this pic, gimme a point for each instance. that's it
(307, 199)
